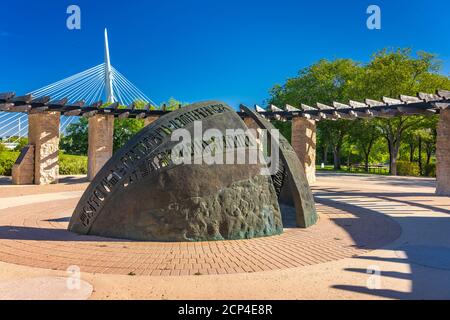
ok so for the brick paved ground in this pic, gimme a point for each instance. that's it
(35, 235)
(374, 201)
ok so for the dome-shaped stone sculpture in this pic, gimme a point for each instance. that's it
(142, 193)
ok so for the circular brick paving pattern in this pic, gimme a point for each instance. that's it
(35, 235)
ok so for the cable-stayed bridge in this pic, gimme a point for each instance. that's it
(98, 86)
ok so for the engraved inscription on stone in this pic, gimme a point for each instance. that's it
(141, 194)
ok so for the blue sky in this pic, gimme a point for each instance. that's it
(197, 50)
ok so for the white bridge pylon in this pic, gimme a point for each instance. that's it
(100, 83)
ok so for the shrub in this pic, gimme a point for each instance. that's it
(406, 168)
(7, 160)
(68, 164)
(21, 144)
(72, 165)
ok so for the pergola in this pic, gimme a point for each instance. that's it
(422, 104)
(38, 162)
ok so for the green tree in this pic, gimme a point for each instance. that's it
(21, 143)
(423, 140)
(140, 104)
(334, 132)
(394, 72)
(364, 134)
(173, 104)
(285, 128)
(75, 141)
(124, 130)
(389, 73)
(428, 135)
(325, 81)
(426, 140)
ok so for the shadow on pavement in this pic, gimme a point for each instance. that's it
(428, 260)
(7, 181)
(391, 197)
(50, 234)
(73, 179)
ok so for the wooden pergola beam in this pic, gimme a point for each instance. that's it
(423, 103)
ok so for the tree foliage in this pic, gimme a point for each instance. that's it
(124, 130)
(21, 143)
(75, 141)
(389, 73)
(364, 134)
(325, 82)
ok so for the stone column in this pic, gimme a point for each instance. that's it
(149, 120)
(304, 143)
(443, 154)
(100, 150)
(43, 134)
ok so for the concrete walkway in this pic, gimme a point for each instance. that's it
(414, 266)
(11, 202)
(420, 257)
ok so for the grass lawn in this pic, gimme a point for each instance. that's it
(345, 169)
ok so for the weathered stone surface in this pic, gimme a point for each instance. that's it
(141, 194)
(304, 143)
(100, 144)
(43, 134)
(443, 154)
(290, 179)
(192, 203)
(252, 125)
(23, 169)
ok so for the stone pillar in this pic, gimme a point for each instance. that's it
(149, 120)
(304, 143)
(100, 149)
(443, 154)
(23, 169)
(43, 134)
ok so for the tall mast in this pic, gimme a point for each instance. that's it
(108, 72)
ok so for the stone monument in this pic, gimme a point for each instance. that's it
(143, 193)
(290, 180)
